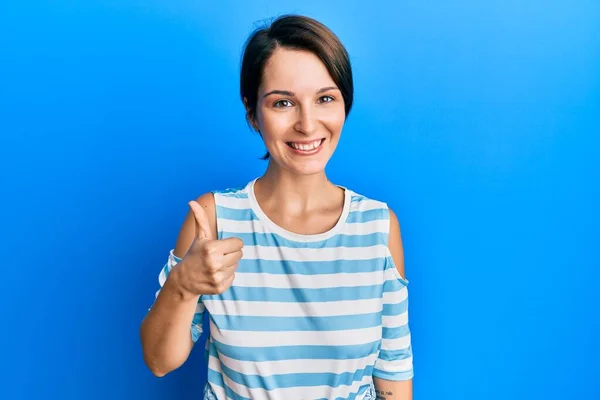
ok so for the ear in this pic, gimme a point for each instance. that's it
(250, 117)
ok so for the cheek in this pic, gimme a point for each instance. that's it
(274, 124)
(334, 122)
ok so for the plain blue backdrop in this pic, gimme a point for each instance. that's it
(478, 123)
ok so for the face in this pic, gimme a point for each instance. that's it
(300, 111)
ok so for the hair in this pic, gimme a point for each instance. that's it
(297, 33)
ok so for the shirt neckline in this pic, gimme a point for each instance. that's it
(293, 235)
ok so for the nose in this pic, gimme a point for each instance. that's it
(306, 122)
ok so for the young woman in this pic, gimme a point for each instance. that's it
(302, 278)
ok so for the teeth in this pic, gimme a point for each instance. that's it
(308, 146)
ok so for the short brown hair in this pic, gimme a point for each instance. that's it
(298, 33)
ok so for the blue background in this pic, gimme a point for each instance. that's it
(478, 122)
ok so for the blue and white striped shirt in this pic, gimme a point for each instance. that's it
(307, 316)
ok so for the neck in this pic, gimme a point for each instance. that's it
(294, 192)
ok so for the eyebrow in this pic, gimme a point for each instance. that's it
(288, 93)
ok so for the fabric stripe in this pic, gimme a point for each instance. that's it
(310, 254)
(266, 368)
(273, 240)
(395, 332)
(344, 322)
(366, 216)
(301, 281)
(396, 344)
(282, 353)
(366, 228)
(395, 320)
(236, 214)
(393, 376)
(395, 309)
(288, 309)
(350, 337)
(307, 267)
(294, 380)
(266, 294)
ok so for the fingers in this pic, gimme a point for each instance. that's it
(230, 245)
(232, 259)
(230, 280)
(203, 229)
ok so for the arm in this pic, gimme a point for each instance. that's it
(393, 390)
(165, 331)
(398, 387)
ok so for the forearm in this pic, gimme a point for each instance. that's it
(165, 331)
(393, 390)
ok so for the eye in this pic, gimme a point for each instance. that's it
(282, 104)
(326, 99)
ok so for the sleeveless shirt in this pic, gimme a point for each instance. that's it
(307, 316)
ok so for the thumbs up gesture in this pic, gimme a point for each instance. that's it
(209, 265)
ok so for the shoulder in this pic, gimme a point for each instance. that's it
(395, 242)
(207, 201)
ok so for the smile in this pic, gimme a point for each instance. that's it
(306, 148)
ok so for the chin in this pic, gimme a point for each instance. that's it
(306, 170)
(303, 167)
(308, 165)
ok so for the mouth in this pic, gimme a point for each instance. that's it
(307, 148)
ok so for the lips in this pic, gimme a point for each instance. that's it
(306, 148)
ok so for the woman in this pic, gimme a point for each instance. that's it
(302, 279)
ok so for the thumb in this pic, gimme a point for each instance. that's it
(203, 230)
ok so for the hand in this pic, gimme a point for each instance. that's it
(209, 265)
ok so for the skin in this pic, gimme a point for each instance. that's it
(312, 109)
(298, 101)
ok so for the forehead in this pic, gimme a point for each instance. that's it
(295, 70)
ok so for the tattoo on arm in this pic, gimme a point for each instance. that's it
(383, 395)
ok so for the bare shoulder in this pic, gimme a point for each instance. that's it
(395, 243)
(188, 228)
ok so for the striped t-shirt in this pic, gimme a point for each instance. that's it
(307, 316)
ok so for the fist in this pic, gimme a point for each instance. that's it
(209, 265)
